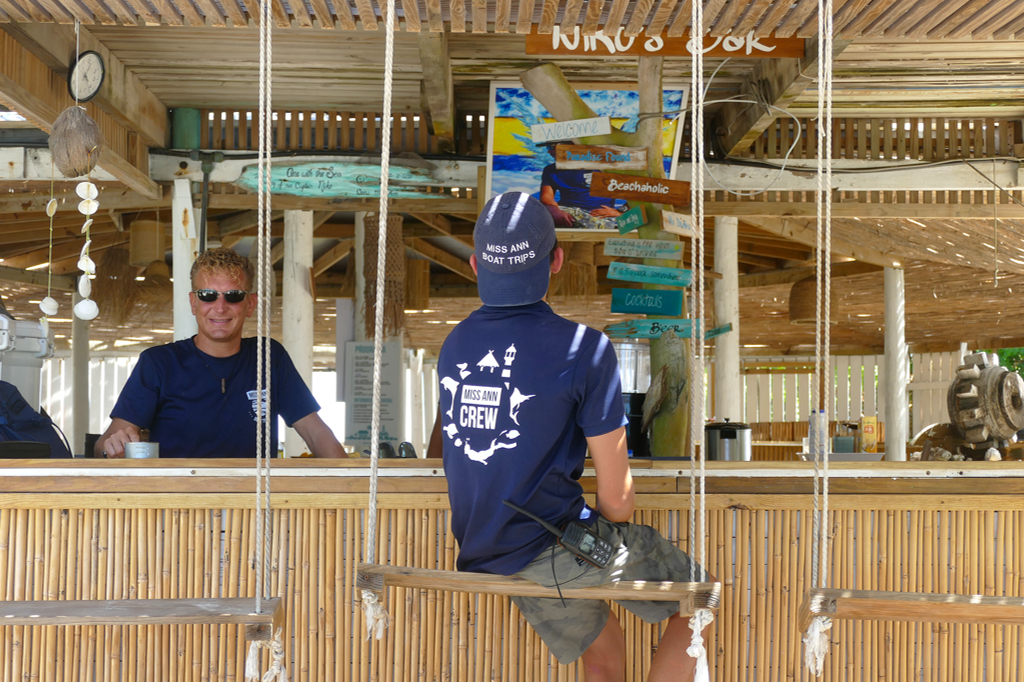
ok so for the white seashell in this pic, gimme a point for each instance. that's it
(85, 225)
(84, 286)
(44, 326)
(51, 207)
(87, 190)
(86, 265)
(49, 306)
(85, 249)
(88, 206)
(87, 309)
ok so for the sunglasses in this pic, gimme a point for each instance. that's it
(211, 295)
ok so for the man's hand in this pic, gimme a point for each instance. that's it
(606, 212)
(111, 443)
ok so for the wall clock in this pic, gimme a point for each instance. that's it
(86, 76)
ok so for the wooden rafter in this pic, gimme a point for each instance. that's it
(438, 88)
(791, 275)
(775, 82)
(332, 256)
(28, 86)
(800, 231)
(442, 258)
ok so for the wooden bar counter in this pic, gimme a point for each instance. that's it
(176, 529)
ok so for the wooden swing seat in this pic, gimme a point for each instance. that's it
(691, 596)
(910, 606)
(239, 611)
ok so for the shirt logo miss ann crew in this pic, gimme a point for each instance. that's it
(476, 407)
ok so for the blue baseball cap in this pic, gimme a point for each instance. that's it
(513, 238)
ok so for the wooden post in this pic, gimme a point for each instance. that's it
(355, 260)
(79, 381)
(728, 386)
(184, 242)
(297, 305)
(896, 364)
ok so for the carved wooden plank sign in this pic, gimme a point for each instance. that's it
(587, 157)
(333, 179)
(650, 274)
(567, 130)
(643, 248)
(632, 219)
(676, 223)
(654, 190)
(746, 46)
(652, 329)
(647, 301)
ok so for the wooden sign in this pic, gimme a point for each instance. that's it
(676, 223)
(332, 180)
(587, 157)
(643, 248)
(567, 130)
(746, 46)
(654, 190)
(632, 219)
(650, 274)
(653, 329)
(647, 301)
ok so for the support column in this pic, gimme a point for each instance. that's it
(184, 239)
(728, 387)
(79, 381)
(297, 306)
(897, 408)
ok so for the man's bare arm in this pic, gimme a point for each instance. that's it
(319, 437)
(615, 495)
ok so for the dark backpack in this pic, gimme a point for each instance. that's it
(19, 422)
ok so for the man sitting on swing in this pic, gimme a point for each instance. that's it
(526, 393)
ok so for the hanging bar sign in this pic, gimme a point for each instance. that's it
(588, 157)
(600, 44)
(676, 223)
(647, 301)
(653, 329)
(654, 190)
(650, 274)
(567, 130)
(643, 248)
(632, 219)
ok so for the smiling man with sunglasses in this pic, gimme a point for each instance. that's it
(197, 397)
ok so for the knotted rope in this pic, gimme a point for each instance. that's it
(816, 640)
(376, 617)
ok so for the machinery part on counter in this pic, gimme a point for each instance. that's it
(986, 402)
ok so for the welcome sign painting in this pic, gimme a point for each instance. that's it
(518, 162)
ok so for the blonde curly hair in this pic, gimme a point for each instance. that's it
(227, 262)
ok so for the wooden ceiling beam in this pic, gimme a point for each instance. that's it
(777, 82)
(28, 86)
(791, 275)
(37, 277)
(800, 231)
(243, 221)
(442, 258)
(436, 221)
(64, 251)
(438, 87)
(442, 204)
(806, 209)
(122, 95)
(332, 256)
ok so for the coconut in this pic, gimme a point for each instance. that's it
(75, 142)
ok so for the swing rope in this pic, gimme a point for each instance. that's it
(376, 616)
(701, 617)
(264, 294)
(816, 639)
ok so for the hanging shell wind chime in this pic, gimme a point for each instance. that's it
(75, 146)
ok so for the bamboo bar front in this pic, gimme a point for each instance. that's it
(166, 529)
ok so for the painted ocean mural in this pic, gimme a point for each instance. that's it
(517, 163)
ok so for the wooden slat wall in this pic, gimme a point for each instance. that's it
(341, 131)
(759, 550)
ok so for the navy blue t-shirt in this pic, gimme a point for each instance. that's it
(572, 188)
(521, 390)
(175, 392)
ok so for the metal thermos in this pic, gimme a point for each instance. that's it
(728, 441)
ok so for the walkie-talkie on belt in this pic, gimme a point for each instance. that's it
(577, 538)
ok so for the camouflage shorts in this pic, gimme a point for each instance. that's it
(582, 220)
(641, 553)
